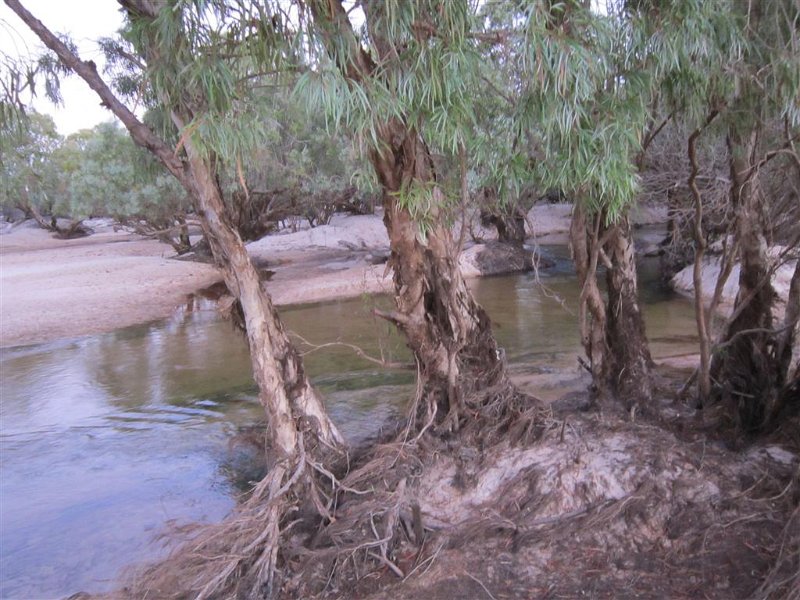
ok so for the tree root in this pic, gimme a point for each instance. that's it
(309, 527)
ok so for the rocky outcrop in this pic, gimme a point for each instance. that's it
(683, 281)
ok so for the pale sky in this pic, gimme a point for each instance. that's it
(85, 21)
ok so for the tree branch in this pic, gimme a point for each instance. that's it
(87, 71)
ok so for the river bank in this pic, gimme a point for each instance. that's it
(53, 289)
(599, 504)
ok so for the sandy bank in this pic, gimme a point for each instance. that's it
(52, 289)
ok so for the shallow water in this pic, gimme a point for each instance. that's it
(106, 441)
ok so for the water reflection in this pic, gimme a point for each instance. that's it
(108, 438)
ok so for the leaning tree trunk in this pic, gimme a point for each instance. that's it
(743, 367)
(284, 389)
(300, 428)
(612, 331)
(447, 330)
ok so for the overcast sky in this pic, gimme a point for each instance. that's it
(85, 21)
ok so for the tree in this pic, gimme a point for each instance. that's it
(747, 373)
(190, 72)
(403, 84)
(29, 182)
(583, 105)
(731, 52)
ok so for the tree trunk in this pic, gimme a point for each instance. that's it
(625, 336)
(701, 316)
(743, 369)
(612, 332)
(287, 396)
(585, 246)
(449, 333)
(184, 243)
(509, 219)
(786, 342)
(284, 389)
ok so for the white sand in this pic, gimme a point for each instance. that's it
(52, 289)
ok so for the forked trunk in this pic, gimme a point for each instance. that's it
(585, 246)
(449, 333)
(743, 368)
(612, 331)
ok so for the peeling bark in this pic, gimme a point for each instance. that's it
(585, 247)
(630, 354)
(744, 369)
(448, 332)
(612, 331)
(284, 389)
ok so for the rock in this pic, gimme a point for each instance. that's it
(683, 281)
(495, 258)
(546, 219)
(648, 215)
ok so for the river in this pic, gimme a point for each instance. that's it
(107, 442)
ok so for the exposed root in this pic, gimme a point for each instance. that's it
(243, 556)
(598, 495)
(611, 509)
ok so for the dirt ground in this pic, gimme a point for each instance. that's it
(602, 507)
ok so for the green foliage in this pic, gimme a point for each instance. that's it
(208, 60)
(113, 177)
(26, 170)
(427, 80)
(97, 172)
(540, 94)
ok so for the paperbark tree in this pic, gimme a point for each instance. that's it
(448, 331)
(747, 367)
(588, 120)
(300, 431)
